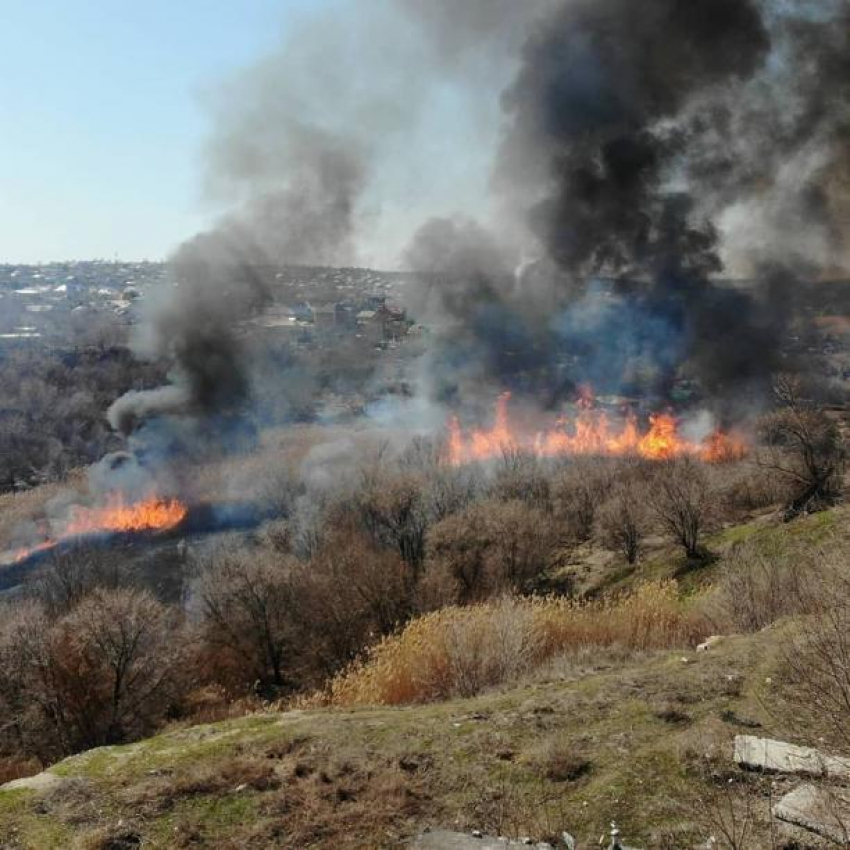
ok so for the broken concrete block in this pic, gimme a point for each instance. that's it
(780, 757)
(823, 811)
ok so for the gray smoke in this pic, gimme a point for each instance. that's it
(638, 134)
(306, 146)
(635, 152)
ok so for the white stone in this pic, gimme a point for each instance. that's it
(780, 757)
(40, 782)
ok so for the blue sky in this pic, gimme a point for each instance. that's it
(102, 122)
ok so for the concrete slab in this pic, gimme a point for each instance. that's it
(823, 811)
(780, 757)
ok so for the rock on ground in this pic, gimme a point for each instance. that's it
(824, 811)
(709, 643)
(779, 757)
(44, 781)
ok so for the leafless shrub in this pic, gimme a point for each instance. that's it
(68, 576)
(275, 623)
(522, 808)
(105, 672)
(457, 562)
(816, 658)
(348, 596)
(392, 508)
(448, 490)
(730, 812)
(489, 547)
(745, 486)
(804, 447)
(764, 580)
(622, 521)
(520, 476)
(277, 535)
(247, 602)
(520, 543)
(681, 500)
(774, 575)
(579, 490)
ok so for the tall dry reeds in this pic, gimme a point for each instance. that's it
(462, 651)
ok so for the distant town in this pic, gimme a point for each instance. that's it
(56, 302)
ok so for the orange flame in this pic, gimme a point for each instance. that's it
(150, 514)
(589, 433)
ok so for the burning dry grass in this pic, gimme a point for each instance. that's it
(589, 432)
(462, 651)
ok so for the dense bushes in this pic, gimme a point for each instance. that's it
(275, 624)
(107, 671)
(487, 548)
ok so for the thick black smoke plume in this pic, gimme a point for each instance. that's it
(641, 137)
(217, 282)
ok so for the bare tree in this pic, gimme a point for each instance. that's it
(491, 546)
(680, 498)
(32, 716)
(805, 447)
(457, 551)
(521, 476)
(621, 522)
(67, 577)
(580, 489)
(450, 489)
(393, 510)
(124, 667)
(247, 604)
(348, 596)
(103, 673)
(520, 543)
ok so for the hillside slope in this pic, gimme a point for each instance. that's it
(644, 739)
(638, 742)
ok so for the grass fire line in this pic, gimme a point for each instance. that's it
(116, 516)
(591, 432)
